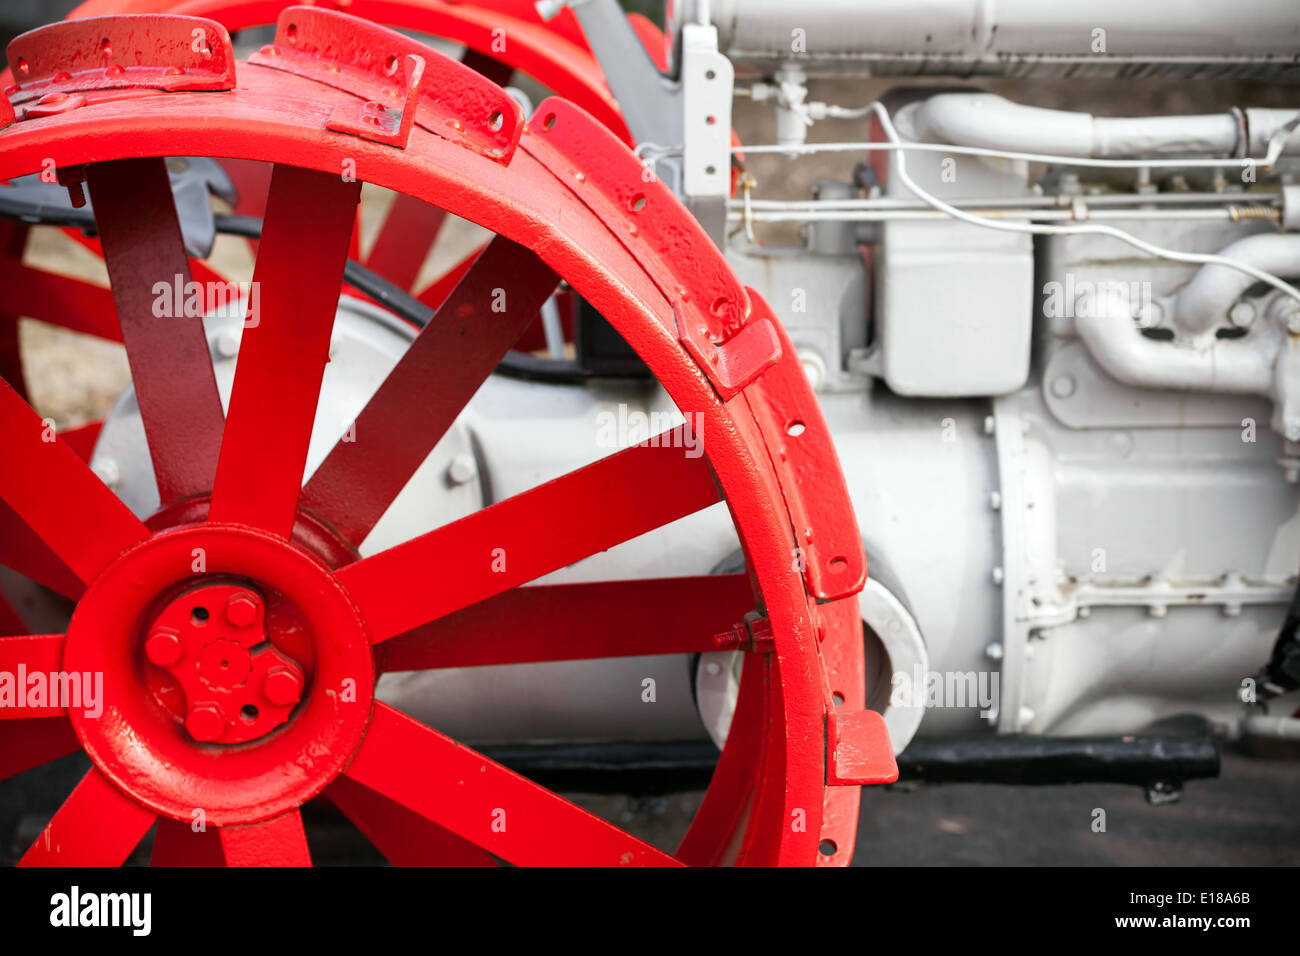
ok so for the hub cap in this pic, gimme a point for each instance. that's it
(207, 704)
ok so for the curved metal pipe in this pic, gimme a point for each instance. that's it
(1009, 37)
(989, 121)
(1204, 302)
(1243, 366)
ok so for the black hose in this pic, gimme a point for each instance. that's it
(516, 364)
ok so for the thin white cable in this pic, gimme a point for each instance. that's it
(1096, 229)
(1275, 146)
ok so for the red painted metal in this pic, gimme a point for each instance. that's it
(404, 837)
(506, 34)
(729, 800)
(711, 306)
(178, 843)
(309, 219)
(13, 243)
(22, 656)
(859, 747)
(11, 622)
(57, 496)
(207, 639)
(25, 744)
(403, 421)
(65, 301)
(483, 802)
(558, 622)
(23, 550)
(171, 367)
(98, 825)
(437, 291)
(279, 841)
(82, 438)
(834, 563)
(521, 538)
(148, 52)
(144, 747)
(437, 93)
(647, 267)
(404, 240)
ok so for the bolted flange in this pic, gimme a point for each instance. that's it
(213, 640)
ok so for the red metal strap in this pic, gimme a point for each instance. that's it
(154, 52)
(714, 321)
(401, 81)
(804, 457)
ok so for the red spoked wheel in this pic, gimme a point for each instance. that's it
(237, 631)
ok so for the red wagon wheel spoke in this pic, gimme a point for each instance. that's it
(70, 303)
(36, 654)
(309, 220)
(405, 238)
(97, 825)
(58, 496)
(483, 802)
(200, 271)
(171, 368)
(404, 837)
(22, 550)
(438, 290)
(176, 843)
(13, 243)
(402, 422)
(279, 841)
(25, 744)
(531, 534)
(560, 622)
(11, 621)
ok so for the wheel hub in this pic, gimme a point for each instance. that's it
(213, 640)
(228, 656)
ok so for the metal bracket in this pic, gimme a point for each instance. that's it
(858, 749)
(152, 52)
(692, 113)
(401, 82)
(754, 633)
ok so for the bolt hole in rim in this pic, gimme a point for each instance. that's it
(139, 753)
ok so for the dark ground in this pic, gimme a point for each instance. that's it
(1247, 817)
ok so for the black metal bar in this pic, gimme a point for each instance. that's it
(1042, 761)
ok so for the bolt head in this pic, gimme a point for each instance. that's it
(241, 609)
(1242, 314)
(226, 345)
(1063, 386)
(462, 469)
(108, 471)
(282, 686)
(205, 722)
(164, 648)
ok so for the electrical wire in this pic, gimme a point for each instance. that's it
(895, 143)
